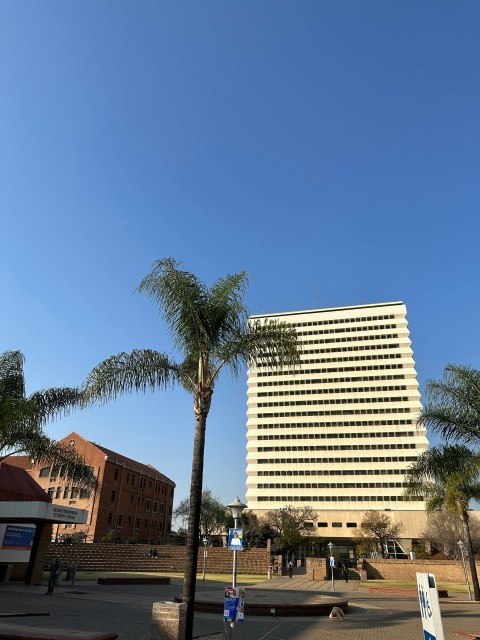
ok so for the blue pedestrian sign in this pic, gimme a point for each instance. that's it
(429, 607)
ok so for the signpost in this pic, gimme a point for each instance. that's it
(332, 566)
(429, 607)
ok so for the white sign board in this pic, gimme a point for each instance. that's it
(332, 561)
(429, 607)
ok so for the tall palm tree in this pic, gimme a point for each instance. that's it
(448, 478)
(22, 420)
(453, 405)
(211, 332)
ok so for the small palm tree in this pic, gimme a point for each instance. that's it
(453, 405)
(211, 332)
(22, 420)
(448, 478)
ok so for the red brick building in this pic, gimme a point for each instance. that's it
(133, 499)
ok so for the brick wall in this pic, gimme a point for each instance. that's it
(444, 570)
(134, 557)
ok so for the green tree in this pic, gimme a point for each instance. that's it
(22, 421)
(211, 332)
(448, 478)
(212, 514)
(375, 530)
(291, 526)
(452, 409)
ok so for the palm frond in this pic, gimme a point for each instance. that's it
(55, 401)
(139, 371)
(452, 409)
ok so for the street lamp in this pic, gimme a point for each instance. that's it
(205, 542)
(330, 547)
(237, 508)
(461, 544)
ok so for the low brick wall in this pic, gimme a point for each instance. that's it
(134, 557)
(444, 570)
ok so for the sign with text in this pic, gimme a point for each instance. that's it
(429, 607)
(235, 539)
(230, 604)
(17, 537)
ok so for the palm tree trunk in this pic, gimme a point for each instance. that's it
(189, 581)
(471, 557)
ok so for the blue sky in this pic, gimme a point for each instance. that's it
(329, 148)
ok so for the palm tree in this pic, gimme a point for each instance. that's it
(211, 332)
(453, 406)
(22, 420)
(448, 478)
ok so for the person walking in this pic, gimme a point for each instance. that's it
(290, 569)
(53, 568)
(345, 571)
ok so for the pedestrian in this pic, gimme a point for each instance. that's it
(290, 569)
(345, 571)
(53, 568)
(154, 554)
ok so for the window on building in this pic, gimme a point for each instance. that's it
(44, 473)
(74, 493)
(336, 524)
(137, 523)
(115, 475)
(58, 493)
(84, 494)
(51, 492)
(113, 496)
(54, 472)
(147, 508)
(109, 518)
(351, 525)
(155, 506)
(119, 521)
(322, 524)
(66, 493)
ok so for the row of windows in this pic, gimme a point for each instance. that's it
(345, 423)
(141, 501)
(356, 348)
(289, 499)
(61, 493)
(318, 323)
(334, 472)
(339, 412)
(333, 436)
(319, 381)
(56, 471)
(159, 487)
(323, 390)
(339, 447)
(331, 485)
(336, 460)
(351, 329)
(153, 524)
(310, 403)
(384, 336)
(304, 361)
(372, 367)
(349, 525)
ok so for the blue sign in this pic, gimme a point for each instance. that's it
(235, 539)
(18, 537)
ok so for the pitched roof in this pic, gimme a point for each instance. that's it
(146, 469)
(17, 485)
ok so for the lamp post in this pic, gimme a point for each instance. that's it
(330, 547)
(461, 545)
(237, 508)
(205, 542)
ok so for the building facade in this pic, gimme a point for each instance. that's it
(133, 500)
(338, 434)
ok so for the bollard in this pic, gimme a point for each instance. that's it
(168, 621)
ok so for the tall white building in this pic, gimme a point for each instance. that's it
(340, 433)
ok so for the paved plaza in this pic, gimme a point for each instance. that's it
(127, 609)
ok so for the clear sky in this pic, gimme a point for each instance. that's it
(329, 148)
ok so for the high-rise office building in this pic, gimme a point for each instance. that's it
(338, 434)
